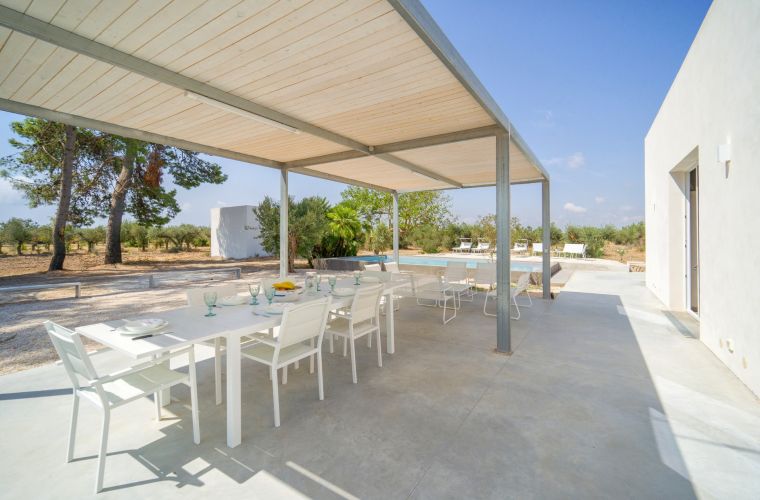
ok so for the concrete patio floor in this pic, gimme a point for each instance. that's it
(605, 396)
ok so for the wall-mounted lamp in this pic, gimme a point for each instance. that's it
(724, 153)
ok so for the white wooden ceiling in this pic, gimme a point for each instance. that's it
(355, 68)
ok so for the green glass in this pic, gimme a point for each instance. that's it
(269, 294)
(319, 281)
(210, 299)
(254, 289)
(332, 279)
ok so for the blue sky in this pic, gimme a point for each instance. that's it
(581, 80)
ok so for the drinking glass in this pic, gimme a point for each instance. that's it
(309, 284)
(269, 294)
(319, 281)
(332, 279)
(357, 276)
(210, 299)
(254, 288)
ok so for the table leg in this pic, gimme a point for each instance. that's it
(234, 410)
(389, 324)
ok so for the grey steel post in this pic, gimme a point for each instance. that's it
(284, 201)
(395, 227)
(546, 275)
(503, 333)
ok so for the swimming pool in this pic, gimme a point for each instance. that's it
(421, 260)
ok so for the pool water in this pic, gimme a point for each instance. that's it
(414, 260)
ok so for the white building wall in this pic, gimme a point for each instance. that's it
(715, 99)
(235, 233)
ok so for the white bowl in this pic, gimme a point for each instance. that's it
(233, 300)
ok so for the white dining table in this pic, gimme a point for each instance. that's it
(188, 325)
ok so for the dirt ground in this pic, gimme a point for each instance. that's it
(630, 253)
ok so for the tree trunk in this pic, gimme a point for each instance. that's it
(19, 244)
(292, 244)
(118, 202)
(64, 201)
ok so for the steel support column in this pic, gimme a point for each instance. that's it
(503, 333)
(395, 227)
(547, 240)
(284, 202)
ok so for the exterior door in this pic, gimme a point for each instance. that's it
(693, 242)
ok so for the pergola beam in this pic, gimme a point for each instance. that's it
(338, 178)
(437, 140)
(419, 170)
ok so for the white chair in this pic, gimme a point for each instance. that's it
(363, 319)
(301, 325)
(485, 275)
(483, 246)
(111, 391)
(195, 299)
(465, 245)
(521, 246)
(372, 267)
(538, 248)
(458, 282)
(521, 287)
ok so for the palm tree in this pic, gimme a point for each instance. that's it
(344, 225)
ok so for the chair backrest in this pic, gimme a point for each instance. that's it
(522, 284)
(73, 355)
(381, 275)
(366, 303)
(538, 247)
(372, 267)
(195, 295)
(455, 271)
(392, 267)
(484, 245)
(521, 245)
(575, 248)
(485, 274)
(303, 322)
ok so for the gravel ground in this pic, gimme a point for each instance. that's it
(25, 344)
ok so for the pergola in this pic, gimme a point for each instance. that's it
(364, 92)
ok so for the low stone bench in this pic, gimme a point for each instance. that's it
(635, 266)
(152, 277)
(25, 288)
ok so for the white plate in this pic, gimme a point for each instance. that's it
(276, 308)
(141, 326)
(233, 300)
(343, 292)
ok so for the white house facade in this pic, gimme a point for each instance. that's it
(702, 169)
(235, 233)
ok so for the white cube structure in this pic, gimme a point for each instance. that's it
(235, 233)
(702, 168)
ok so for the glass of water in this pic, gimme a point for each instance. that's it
(319, 282)
(210, 299)
(332, 279)
(269, 294)
(254, 288)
